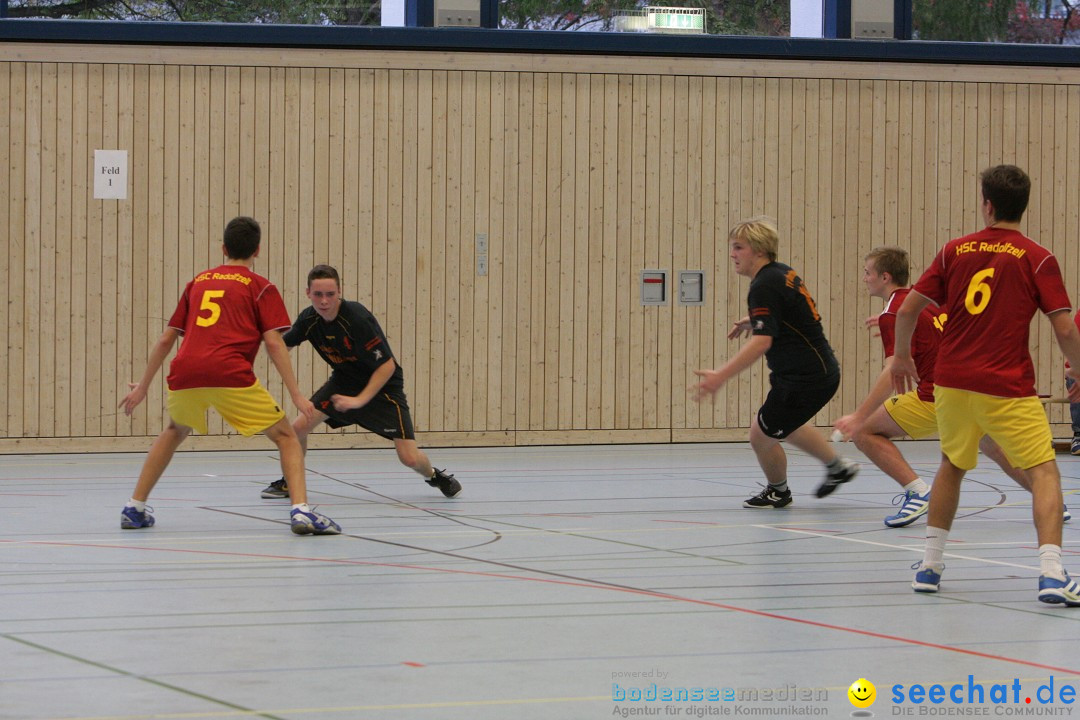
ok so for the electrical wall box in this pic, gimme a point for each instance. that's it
(457, 13)
(691, 287)
(872, 19)
(654, 287)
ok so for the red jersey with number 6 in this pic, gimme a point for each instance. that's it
(990, 284)
(222, 315)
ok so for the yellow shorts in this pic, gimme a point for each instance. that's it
(1018, 425)
(916, 417)
(250, 410)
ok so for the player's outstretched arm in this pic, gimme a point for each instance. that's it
(739, 328)
(713, 380)
(160, 351)
(1068, 339)
(279, 355)
(905, 375)
(882, 390)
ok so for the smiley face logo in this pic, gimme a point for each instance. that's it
(862, 693)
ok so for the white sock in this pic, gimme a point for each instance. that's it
(1050, 561)
(141, 507)
(918, 485)
(302, 507)
(934, 554)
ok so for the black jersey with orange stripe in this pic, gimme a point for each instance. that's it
(353, 344)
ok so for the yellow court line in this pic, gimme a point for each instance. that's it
(346, 709)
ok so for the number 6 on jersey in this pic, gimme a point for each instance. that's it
(978, 293)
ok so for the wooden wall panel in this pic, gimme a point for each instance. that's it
(8, 205)
(578, 180)
(31, 259)
(505, 248)
(16, 245)
(624, 224)
(1069, 127)
(62, 392)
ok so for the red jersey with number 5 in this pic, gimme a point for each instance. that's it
(990, 284)
(222, 315)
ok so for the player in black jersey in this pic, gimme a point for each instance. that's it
(785, 327)
(366, 387)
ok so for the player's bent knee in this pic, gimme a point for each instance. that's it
(178, 431)
(281, 430)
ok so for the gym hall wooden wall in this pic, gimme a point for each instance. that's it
(580, 172)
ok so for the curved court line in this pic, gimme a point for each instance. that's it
(496, 535)
(578, 582)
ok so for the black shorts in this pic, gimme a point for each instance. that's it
(387, 414)
(785, 411)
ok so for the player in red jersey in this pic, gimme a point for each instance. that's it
(880, 418)
(224, 315)
(990, 284)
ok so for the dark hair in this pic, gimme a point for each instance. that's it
(323, 272)
(242, 236)
(1007, 187)
(892, 260)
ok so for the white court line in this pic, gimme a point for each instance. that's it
(897, 547)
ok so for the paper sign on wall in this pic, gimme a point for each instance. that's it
(110, 174)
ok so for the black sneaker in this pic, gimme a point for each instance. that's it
(769, 498)
(835, 478)
(446, 483)
(276, 489)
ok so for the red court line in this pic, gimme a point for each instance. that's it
(923, 537)
(689, 522)
(816, 530)
(569, 515)
(569, 583)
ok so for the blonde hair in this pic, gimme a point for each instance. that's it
(760, 234)
(892, 260)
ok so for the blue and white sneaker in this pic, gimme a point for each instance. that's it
(1059, 592)
(912, 508)
(312, 523)
(927, 579)
(132, 519)
(1066, 516)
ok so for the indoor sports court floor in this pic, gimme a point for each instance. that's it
(560, 580)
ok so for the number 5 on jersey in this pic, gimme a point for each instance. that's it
(978, 292)
(208, 304)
